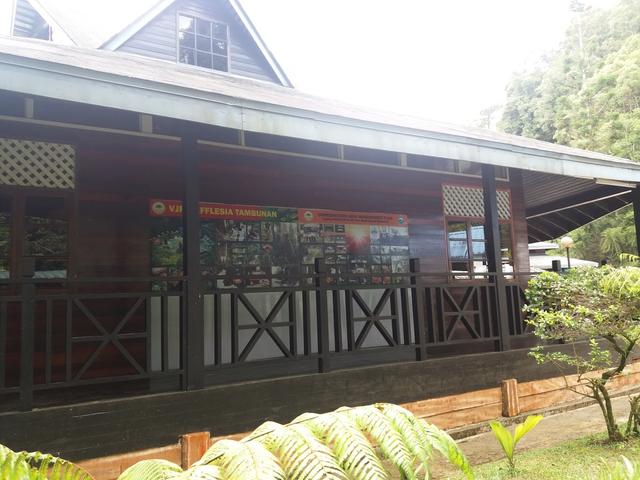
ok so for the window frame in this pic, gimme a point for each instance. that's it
(182, 13)
(18, 249)
(469, 221)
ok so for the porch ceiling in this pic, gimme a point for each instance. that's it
(167, 89)
(556, 205)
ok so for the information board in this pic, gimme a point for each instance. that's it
(260, 246)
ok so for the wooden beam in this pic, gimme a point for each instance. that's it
(494, 255)
(193, 324)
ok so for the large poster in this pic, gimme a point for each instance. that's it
(258, 246)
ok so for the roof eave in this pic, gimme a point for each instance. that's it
(65, 82)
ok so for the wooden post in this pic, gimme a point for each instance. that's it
(193, 324)
(322, 315)
(494, 255)
(510, 400)
(27, 332)
(193, 447)
(419, 309)
(635, 195)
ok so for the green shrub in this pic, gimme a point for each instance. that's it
(601, 306)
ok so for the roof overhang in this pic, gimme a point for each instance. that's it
(564, 187)
(162, 88)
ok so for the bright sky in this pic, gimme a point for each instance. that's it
(440, 59)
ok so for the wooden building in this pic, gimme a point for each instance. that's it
(177, 220)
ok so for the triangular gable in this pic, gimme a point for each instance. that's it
(123, 39)
(32, 10)
(85, 23)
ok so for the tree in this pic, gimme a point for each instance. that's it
(586, 94)
(601, 305)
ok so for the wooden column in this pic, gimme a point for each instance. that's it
(636, 215)
(419, 308)
(27, 334)
(494, 255)
(322, 315)
(193, 323)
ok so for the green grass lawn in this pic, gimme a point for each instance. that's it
(579, 459)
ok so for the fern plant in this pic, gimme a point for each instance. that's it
(37, 466)
(340, 445)
(508, 442)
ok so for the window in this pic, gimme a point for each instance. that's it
(460, 167)
(203, 43)
(46, 235)
(5, 236)
(468, 249)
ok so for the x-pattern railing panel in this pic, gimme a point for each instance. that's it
(105, 337)
(460, 311)
(373, 318)
(263, 324)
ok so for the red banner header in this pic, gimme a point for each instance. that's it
(351, 218)
(219, 211)
(223, 211)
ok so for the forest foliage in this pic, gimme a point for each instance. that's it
(586, 94)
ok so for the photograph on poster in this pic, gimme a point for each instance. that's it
(254, 246)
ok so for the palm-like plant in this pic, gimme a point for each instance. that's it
(37, 466)
(339, 445)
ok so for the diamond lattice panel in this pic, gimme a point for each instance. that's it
(468, 202)
(37, 164)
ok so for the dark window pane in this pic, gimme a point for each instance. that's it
(458, 249)
(4, 268)
(459, 266)
(187, 40)
(203, 43)
(505, 243)
(220, 63)
(219, 31)
(5, 228)
(51, 268)
(186, 24)
(203, 27)
(457, 230)
(204, 60)
(219, 47)
(469, 168)
(502, 172)
(188, 55)
(431, 163)
(46, 227)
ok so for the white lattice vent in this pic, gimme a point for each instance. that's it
(37, 164)
(462, 201)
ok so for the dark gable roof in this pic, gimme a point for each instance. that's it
(82, 21)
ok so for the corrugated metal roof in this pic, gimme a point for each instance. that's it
(543, 188)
